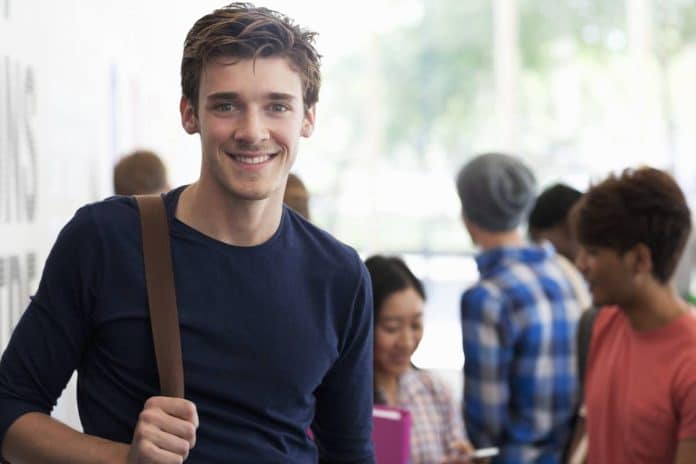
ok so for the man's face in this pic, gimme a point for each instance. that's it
(610, 275)
(250, 118)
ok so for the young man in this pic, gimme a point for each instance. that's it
(549, 220)
(275, 314)
(518, 322)
(640, 389)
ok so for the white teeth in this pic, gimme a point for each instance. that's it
(252, 159)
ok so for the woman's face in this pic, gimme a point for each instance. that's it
(398, 331)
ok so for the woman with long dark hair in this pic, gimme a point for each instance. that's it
(437, 434)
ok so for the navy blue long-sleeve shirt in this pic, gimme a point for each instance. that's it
(275, 338)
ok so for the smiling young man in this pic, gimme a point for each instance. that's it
(640, 389)
(275, 314)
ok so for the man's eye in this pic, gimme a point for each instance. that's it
(279, 108)
(224, 107)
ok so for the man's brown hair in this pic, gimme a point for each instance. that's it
(642, 205)
(140, 172)
(244, 31)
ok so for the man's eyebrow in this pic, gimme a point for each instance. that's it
(281, 96)
(275, 96)
(223, 96)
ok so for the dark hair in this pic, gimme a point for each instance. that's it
(241, 30)
(552, 206)
(140, 172)
(390, 274)
(642, 205)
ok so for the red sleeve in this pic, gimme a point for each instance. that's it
(686, 399)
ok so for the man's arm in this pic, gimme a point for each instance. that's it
(38, 438)
(487, 361)
(165, 433)
(45, 349)
(47, 344)
(686, 452)
(343, 420)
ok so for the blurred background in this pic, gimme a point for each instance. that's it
(411, 90)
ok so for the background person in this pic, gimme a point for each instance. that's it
(141, 172)
(640, 388)
(550, 220)
(297, 196)
(518, 321)
(437, 432)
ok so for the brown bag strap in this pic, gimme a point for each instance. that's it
(161, 295)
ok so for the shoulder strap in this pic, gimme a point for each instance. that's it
(161, 295)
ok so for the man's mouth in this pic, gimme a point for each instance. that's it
(251, 159)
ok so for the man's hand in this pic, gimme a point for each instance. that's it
(165, 432)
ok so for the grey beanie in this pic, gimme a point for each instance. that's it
(497, 191)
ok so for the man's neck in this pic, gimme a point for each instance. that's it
(654, 306)
(490, 240)
(227, 219)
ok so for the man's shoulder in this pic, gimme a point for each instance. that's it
(319, 246)
(483, 289)
(94, 218)
(113, 209)
(114, 215)
(507, 278)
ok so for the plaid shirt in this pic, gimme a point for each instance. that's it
(435, 416)
(520, 379)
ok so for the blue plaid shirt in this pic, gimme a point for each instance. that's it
(520, 376)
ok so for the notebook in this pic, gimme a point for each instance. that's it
(391, 435)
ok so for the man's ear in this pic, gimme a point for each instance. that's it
(308, 121)
(189, 120)
(642, 257)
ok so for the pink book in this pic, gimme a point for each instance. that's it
(391, 435)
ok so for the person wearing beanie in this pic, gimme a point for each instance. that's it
(518, 321)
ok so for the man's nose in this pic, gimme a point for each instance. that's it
(251, 128)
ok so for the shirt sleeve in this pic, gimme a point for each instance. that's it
(686, 401)
(487, 359)
(343, 421)
(46, 345)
